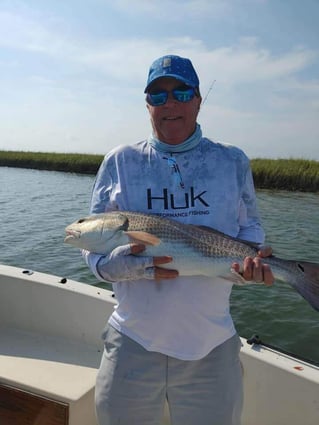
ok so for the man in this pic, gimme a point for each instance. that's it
(172, 337)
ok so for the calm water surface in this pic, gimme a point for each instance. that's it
(37, 205)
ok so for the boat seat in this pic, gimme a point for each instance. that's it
(56, 368)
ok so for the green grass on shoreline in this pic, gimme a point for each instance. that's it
(280, 174)
(67, 162)
(286, 174)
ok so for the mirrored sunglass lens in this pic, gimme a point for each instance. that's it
(184, 95)
(180, 94)
(157, 98)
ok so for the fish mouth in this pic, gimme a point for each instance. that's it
(72, 234)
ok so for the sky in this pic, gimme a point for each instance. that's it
(72, 73)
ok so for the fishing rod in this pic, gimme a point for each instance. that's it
(209, 90)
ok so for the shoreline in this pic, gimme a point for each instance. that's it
(300, 175)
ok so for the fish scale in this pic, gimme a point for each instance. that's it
(208, 242)
(195, 250)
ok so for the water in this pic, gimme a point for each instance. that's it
(37, 205)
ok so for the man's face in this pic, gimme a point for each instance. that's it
(174, 121)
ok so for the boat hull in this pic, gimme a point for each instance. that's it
(50, 349)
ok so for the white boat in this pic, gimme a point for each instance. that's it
(50, 349)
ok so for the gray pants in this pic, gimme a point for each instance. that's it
(133, 384)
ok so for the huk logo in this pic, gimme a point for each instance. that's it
(169, 202)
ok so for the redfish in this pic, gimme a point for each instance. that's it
(195, 250)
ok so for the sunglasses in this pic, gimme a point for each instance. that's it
(181, 94)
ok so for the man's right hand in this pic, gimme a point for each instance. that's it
(124, 263)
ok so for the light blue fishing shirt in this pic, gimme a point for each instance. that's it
(206, 183)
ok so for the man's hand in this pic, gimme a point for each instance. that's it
(123, 264)
(254, 269)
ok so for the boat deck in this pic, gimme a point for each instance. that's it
(47, 348)
(54, 367)
(50, 349)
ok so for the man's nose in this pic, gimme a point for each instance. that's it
(170, 98)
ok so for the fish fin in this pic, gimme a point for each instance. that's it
(237, 278)
(143, 237)
(234, 277)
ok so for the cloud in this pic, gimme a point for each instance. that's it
(247, 62)
(128, 59)
(19, 31)
(72, 88)
(174, 10)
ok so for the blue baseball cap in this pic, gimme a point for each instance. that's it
(175, 67)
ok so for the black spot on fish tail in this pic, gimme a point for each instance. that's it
(308, 286)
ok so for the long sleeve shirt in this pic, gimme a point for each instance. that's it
(208, 185)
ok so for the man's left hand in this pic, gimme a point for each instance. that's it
(254, 269)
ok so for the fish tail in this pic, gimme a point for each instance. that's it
(308, 286)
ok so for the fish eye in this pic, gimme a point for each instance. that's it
(81, 220)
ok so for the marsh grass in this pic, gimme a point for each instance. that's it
(70, 162)
(286, 174)
(281, 174)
